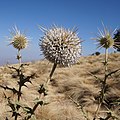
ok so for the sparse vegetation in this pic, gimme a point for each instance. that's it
(72, 82)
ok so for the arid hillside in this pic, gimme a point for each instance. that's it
(73, 92)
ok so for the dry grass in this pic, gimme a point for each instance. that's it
(75, 82)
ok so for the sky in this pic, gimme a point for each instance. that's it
(86, 15)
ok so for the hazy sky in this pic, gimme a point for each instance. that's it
(28, 14)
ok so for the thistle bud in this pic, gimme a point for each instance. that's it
(104, 38)
(18, 40)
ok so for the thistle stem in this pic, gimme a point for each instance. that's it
(106, 59)
(19, 95)
(103, 88)
(105, 77)
(53, 69)
(19, 73)
(16, 117)
(19, 57)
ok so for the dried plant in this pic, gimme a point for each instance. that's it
(19, 41)
(60, 46)
(105, 40)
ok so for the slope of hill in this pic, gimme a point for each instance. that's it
(72, 93)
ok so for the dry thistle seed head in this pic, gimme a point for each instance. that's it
(106, 42)
(19, 41)
(61, 46)
(104, 38)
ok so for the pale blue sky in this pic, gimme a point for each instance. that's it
(28, 14)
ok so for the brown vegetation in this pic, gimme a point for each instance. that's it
(72, 92)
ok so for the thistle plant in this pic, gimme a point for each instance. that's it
(60, 46)
(19, 42)
(105, 40)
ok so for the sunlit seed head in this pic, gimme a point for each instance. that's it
(61, 46)
(105, 38)
(106, 42)
(18, 40)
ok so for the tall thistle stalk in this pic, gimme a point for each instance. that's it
(105, 41)
(105, 77)
(19, 41)
(17, 110)
(60, 46)
(104, 82)
(52, 71)
(19, 58)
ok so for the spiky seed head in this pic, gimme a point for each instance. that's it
(104, 38)
(18, 40)
(61, 46)
(106, 42)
